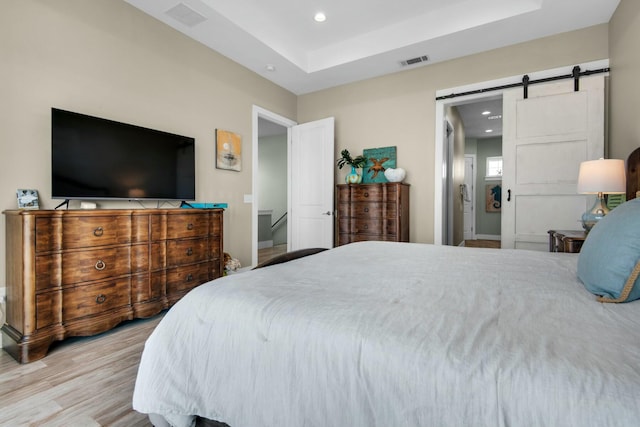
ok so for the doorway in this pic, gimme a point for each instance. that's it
(272, 159)
(269, 215)
(469, 94)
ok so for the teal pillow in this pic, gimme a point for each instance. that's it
(609, 261)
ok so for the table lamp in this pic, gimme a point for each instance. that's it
(602, 176)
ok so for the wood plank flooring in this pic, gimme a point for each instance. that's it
(268, 253)
(482, 244)
(82, 382)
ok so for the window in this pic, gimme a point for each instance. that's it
(494, 168)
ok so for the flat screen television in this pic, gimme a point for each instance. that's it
(100, 159)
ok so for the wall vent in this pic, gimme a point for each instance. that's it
(414, 61)
(185, 15)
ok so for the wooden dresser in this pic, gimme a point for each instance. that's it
(81, 272)
(373, 212)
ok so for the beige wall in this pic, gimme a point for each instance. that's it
(107, 59)
(624, 41)
(399, 109)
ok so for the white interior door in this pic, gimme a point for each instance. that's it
(311, 185)
(545, 138)
(468, 194)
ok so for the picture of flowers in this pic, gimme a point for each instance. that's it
(228, 150)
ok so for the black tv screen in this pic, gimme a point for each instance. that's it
(100, 159)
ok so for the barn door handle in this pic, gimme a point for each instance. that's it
(508, 195)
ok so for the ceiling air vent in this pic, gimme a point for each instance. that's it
(414, 61)
(184, 14)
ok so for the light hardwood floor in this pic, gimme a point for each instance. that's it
(495, 244)
(268, 253)
(82, 382)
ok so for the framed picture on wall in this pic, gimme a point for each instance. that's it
(493, 195)
(228, 150)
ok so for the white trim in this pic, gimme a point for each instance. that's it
(442, 104)
(265, 244)
(474, 179)
(259, 112)
(487, 237)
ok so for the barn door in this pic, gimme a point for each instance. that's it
(545, 138)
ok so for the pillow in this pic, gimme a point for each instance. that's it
(609, 261)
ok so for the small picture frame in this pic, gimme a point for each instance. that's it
(27, 199)
(228, 150)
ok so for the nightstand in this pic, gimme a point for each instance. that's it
(566, 240)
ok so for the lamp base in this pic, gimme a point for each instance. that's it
(591, 217)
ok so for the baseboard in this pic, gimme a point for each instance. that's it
(488, 237)
(265, 244)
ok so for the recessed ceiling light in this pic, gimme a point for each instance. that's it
(270, 67)
(496, 117)
(320, 17)
(489, 130)
(486, 113)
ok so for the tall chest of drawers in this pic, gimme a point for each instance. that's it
(79, 273)
(373, 212)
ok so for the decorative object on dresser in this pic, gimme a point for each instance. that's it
(373, 212)
(27, 199)
(357, 162)
(80, 272)
(602, 176)
(395, 175)
(378, 160)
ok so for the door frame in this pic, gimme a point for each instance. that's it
(472, 195)
(261, 113)
(440, 166)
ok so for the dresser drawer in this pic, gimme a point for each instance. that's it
(181, 279)
(89, 231)
(94, 299)
(368, 226)
(96, 264)
(367, 193)
(187, 225)
(368, 210)
(189, 251)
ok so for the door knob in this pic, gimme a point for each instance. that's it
(327, 213)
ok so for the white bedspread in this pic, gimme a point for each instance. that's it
(381, 334)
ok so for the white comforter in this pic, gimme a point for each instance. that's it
(383, 334)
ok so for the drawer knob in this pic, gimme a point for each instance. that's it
(189, 277)
(100, 265)
(190, 226)
(366, 209)
(366, 226)
(189, 251)
(101, 298)
(366, 194)
(98, 232)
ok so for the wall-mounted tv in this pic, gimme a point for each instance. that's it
(100, 159)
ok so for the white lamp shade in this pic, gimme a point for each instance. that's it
(602, 176)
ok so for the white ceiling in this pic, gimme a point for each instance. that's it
(364, 38)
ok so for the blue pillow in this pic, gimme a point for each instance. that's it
(609, 261)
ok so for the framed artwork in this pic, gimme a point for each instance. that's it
(27, 199)
(493, 195)
(378, 160)
(228, 150)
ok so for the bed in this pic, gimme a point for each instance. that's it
(400, 334)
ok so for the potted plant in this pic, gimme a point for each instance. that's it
(356, 163)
